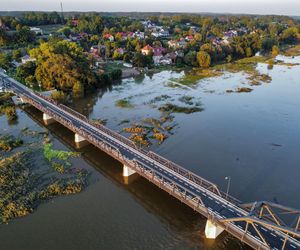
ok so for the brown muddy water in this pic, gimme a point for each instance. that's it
(252, 137)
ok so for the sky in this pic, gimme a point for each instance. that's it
(281, 7)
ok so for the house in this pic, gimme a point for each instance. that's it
(177, 44)
(139, 35)
(216, 41)
(158, 54)
(148, 24)
(225, 41)
(109, 37)
(147, 50)
(168, 58)
(121, 36)
(120, 51)
(161, 33)
(189, 38)
(37, 31)
(75, 22)
(27, 58)
(74, 38)
(230, 34)
(94, 50)
(158, 51)
(2, 25)
(173, 44)
(164, 33)
(165, 60)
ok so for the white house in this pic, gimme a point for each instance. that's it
(27, 58)
(37, 31)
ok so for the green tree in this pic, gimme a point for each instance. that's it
(62, 65)
(289, 35)
(268, 43)
(78, 89)
(275, 51)
(248, 52)
(116, 74)
(190, 58)
(117, 55)
(203, 59)
(16, 54)
(5, 61)
(25, 70)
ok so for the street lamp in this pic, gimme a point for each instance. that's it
(228, 178)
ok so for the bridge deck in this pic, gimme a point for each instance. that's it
(196, 192)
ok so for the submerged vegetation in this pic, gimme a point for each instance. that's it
(26, 179)
(7, 106)
(58, 158)
(100, 121)
(173, 108)
(124, 103)
(293, 51)
(9, 142)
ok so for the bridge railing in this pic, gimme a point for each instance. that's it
(167, 163)
(192, 177)
(114, 134)
(73, 112)
(82, 117)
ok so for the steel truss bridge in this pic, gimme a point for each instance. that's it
(260, 224)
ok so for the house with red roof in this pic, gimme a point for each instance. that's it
(189, 38)
(147, 50)
(109, 37)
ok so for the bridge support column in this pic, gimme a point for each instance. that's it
(80, 141)
(212, 231)
(47, 119)
(129, 175)
(127, 171)
(22, 100)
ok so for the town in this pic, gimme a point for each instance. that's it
(111, 48)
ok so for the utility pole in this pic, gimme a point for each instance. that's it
(228, 178)
(62, 13)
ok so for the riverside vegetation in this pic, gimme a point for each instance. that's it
(7, 106)
(31, 173)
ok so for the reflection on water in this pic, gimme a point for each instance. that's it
(253, 137)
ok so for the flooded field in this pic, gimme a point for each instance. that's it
(235, 120)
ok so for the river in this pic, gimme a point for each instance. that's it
(252, 137)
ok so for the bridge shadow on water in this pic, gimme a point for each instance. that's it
(186, 224)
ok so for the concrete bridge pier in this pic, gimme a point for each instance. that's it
(212, 231)
(80, 141)
(47, 119)
(128, 174)
(22, 100)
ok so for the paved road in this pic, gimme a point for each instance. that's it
(221, 208)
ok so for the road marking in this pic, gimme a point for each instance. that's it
(257, 237)
(273, 235)
(231, 210)
(264, 229)
(292, 246)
